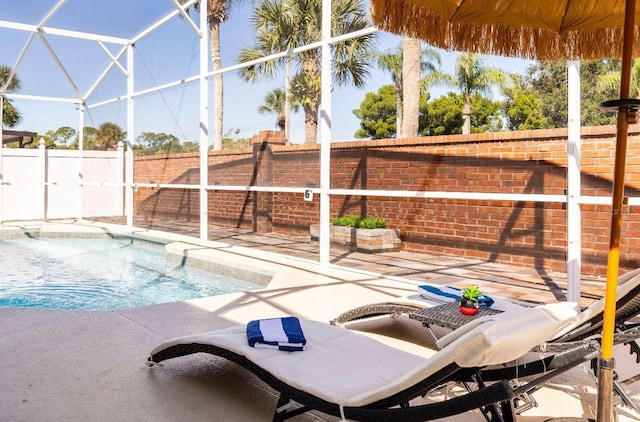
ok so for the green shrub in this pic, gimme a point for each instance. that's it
(360, 222)
(372, 223)
(347, 221)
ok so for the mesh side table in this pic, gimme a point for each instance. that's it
(448, 315)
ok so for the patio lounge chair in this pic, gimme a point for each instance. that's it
(588, 323)
(349, 375)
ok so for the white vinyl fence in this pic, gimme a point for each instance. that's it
(41, 183)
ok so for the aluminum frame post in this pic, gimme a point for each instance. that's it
(574, 218)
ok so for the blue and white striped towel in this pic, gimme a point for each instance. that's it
(443, 294)
(276, 333)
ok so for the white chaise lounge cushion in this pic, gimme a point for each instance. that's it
(346, 368)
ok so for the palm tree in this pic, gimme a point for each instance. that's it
(473, 76)
(611, 81)
(108, 135)
(217, 13)
(10, 115)
(392, 61)
(275, 102)
(281, 25)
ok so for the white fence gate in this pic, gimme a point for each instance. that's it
(41, 183)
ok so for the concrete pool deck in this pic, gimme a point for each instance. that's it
(90, 365)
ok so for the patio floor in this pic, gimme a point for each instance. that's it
(89, 365)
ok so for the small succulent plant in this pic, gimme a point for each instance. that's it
(469, 304)
(471, 293)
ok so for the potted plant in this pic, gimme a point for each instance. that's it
(469, 304)
(364, 234)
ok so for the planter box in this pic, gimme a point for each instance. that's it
(361, 240)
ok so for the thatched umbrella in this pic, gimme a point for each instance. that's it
(543, 30)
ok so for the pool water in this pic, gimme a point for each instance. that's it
(100, 274)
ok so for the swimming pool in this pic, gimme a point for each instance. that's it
(100, 274)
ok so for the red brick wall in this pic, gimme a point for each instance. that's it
(530, 234)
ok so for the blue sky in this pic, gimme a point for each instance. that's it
(169, 54)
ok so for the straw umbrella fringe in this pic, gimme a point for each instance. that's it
(408, 17)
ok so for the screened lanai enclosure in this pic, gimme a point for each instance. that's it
(165, 113)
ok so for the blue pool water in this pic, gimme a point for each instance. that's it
(100, 274)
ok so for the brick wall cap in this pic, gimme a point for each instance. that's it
(273, 137)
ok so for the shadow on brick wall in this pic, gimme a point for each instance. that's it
(524, 233)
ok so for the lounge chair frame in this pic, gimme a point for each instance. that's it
(626, 333)
(495, 400)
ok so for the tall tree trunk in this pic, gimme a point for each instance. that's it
(287, 99)
(466, 116)
(411, 70)
(398, 108)
(281, 122)
(311, 75)
(218, 95)
(310, 124)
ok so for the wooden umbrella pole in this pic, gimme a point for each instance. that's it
(606, 363)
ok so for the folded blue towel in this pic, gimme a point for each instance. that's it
(448, 294)
(276, 333)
